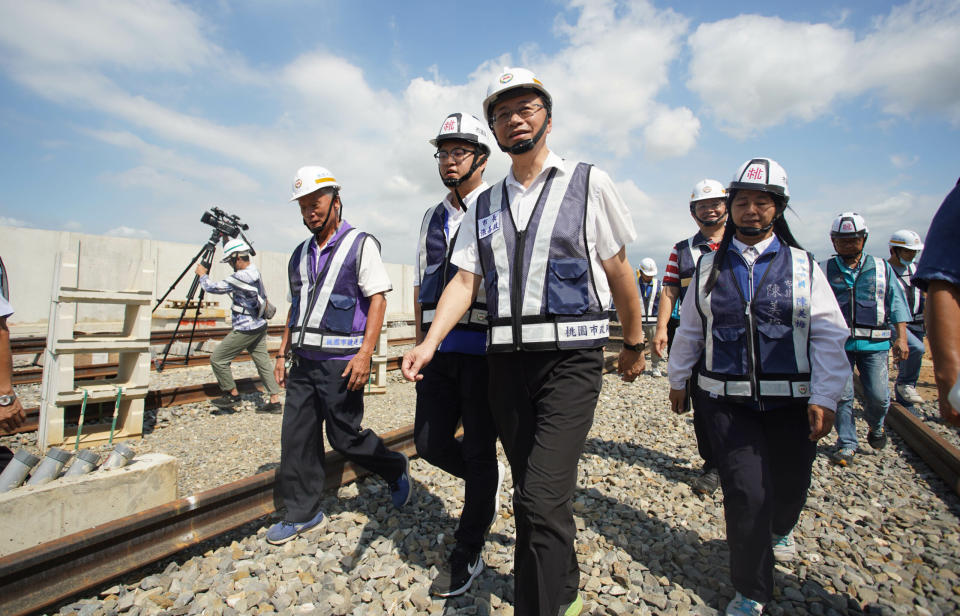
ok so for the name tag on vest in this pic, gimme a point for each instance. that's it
(488, 225)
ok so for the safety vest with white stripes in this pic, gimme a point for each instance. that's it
(539, 283)
(864, 304)
(330, 314)
(757, 347)
(914, 296)
(650, 297)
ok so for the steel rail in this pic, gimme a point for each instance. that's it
(41, 576)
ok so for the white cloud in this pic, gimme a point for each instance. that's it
(754, 72)
(9, 221)
(128, 232)
(902, 161)
(673, 132)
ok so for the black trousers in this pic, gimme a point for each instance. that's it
(454, 390)
(765, 460)
(317, 394)
(699, 425)
(543, 404)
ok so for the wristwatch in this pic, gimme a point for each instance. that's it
(7, 399)
(636, 348)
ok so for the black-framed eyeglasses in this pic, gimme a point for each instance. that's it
(458, 154)
(525, 112)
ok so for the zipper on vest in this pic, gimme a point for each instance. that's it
(748, 314)
(515, 287)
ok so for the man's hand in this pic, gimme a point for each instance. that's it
(358, 370)
(660, 342)
(201, 270)
(630, 364)
(821, 421)
(900, 349)
(678, 397)
(415, 359)
(12, 416)
(280, 370)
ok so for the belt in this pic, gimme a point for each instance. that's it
(556, 331)
(782, 388)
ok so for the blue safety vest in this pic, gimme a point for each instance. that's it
(687, 264)
(539, 283)
(863, 304)
(329, 315)
(650, 298)
(757, 331)
(915, 299)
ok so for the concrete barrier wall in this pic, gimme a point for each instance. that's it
(113, 263)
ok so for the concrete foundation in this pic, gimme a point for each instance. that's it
(36, 514)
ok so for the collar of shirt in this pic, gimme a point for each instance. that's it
(752, 253)
(524, 199)
(316, 261)
(551, 161)
(455, 213)
(846, 268)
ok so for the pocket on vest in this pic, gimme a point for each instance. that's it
(430, 284)
(567, 288)
(729, 348)
(867, 313)
(776, 347)
(339, 317)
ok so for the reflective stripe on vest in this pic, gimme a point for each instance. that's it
(864, 304)
(912, 293)
(329, 326)
(760, 349)
(650, 303)
(539, 283)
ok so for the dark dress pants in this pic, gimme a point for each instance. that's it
(318, 395)
(543, 404)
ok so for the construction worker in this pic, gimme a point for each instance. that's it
(249, 328)
(872, 306)
(762, 334)
(547, 243)
(650, 287)
(708, 208)
(905, 246)
(338, 286)
(454, 388)
(12, 415)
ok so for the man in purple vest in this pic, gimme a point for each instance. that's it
(547, 243)
(337, 302)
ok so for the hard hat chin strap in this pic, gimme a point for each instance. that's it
(527, 144)
(319, 230)
(719, 221)
(455, 182)
(754, 231)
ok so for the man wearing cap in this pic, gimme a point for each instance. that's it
(708, 208)
(249, 331)
(905, 245)
(338, 287)
(547, 243)
(650, 288)
(454, 388)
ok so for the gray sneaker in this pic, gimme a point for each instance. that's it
(706, 483)
(784, 547)
(842, 457)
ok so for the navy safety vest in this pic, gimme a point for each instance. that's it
(541, 294)
(864, 304)
(914, 296)
(757, 349)
(330, 315)
(687, 259)
(650, 298)
(436, 272)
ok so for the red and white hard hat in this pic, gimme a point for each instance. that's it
(905, 238)
(848, 224)
(707, 189)
(648, 266)
(311, 179)
(466, 127)
(764, 174)
(512, 79)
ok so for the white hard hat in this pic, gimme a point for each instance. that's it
(310, 179)
(512, 79)
(648, 266)
(707, 189)
(466, 127)
(905, 238)
(848, 224)
(764, 174)
(235, 247)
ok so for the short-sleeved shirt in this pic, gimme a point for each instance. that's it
(940, 259)
(5, 308)
(609, 225)
(895, 304)
(455, 216)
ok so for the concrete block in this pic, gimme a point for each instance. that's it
(36, 514)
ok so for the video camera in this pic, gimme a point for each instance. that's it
(226, 224)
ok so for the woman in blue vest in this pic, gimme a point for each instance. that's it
(769, 332)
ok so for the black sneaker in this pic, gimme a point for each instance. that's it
(877, 438)
(707, 483)
(273, 408)
(842, 457)
(458, 574)
(226, 401)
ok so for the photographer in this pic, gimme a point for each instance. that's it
(249, 328)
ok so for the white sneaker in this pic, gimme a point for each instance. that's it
(741, 606)
(784, 547)
(501, 472)
(909, 393)
(655, 373)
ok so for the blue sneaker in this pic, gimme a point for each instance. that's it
(401, 489)
(741, 606)
(281, 532)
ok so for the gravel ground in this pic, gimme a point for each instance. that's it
(879, 537)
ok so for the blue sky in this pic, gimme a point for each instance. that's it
(131, 118)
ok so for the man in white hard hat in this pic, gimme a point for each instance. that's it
(650, 288)
(708, 208)
(874, 307)
(547, 243)
(338, 286)
(905, 245)
(249, 328)
(453, 391)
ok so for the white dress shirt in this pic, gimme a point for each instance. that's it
(829, 367)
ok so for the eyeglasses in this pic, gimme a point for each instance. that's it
(458, 154)
(524, 112)
(715, 205)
